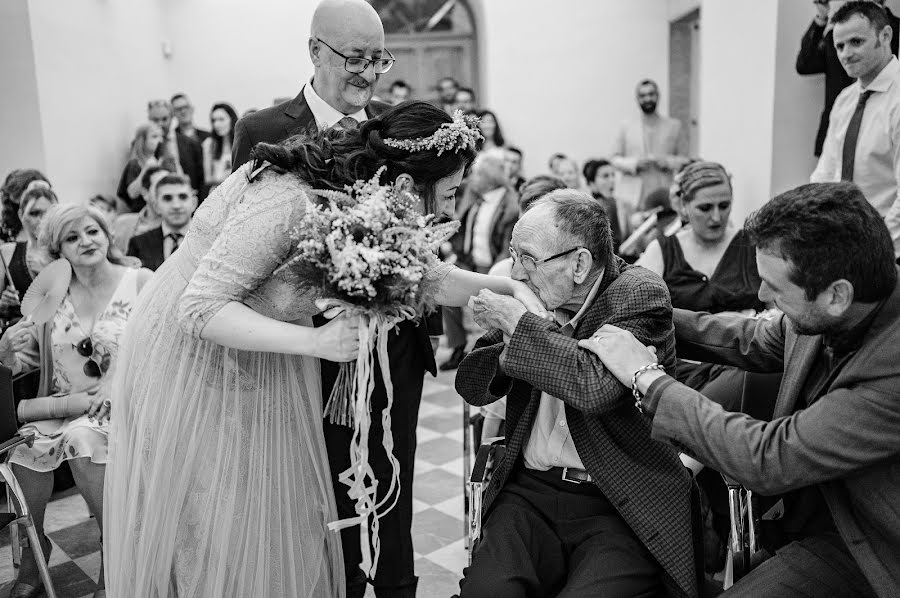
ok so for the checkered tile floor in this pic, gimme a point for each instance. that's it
(438, 526)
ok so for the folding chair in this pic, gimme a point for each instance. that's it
(10, 439)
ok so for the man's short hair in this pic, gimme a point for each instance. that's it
(451, 79)
(591, 167)
(467, 90)
(178, 96)
(553, 159)
(514, 149)
(537, 187)
(400, 83)
(872, 11)
(173, 178)
(584, 219)
(643, 82)
(828, 232)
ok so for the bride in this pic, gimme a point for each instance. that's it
(218, 483)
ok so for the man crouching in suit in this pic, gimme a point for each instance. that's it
(827, 465)
(175, 201)
(584, 503)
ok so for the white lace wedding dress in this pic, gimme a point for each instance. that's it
(218, 482)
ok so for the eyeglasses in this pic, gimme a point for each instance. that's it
(92, 368)
(530, 264)
(358, 64)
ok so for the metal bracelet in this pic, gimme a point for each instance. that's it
(638, 397)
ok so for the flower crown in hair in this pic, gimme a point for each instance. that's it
(462, 133)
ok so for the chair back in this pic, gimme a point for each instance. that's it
(8, 421)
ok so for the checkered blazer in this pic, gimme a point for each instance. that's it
(643, 478)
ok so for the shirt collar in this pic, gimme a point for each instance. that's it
(168, 230)
(493, 196)
(562, 316)
(326, 116)
(885, 78)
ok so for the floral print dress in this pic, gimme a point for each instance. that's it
(57, 440)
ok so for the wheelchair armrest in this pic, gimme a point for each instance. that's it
(487, 455)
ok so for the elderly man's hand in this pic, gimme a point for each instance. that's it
(621, 353)
(497, 312)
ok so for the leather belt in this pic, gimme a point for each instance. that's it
(573, 475)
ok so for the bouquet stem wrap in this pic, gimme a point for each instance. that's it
(350, 404)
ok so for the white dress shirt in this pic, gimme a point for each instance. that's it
(550, 444)
(877, 164)
(327, 116)
(481, 229)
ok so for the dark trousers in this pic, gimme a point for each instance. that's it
(395, 576)
(816, 567)
(547, 537)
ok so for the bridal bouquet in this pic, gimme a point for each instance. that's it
(367, 250)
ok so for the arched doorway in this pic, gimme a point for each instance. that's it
(430, 39)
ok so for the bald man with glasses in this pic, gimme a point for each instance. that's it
(346, 46)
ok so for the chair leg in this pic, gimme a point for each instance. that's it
(467, 471)
(37, 549)
(14, 543)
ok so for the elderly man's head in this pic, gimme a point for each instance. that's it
(342, 30)
(560, 246)
(488, 171)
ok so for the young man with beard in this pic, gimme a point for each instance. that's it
(648, 151)
(826, 466)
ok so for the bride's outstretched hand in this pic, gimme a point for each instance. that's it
(339, 339)
(531, 301)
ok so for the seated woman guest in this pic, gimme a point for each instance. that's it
(601, 181)
(21, 260)
(147, 151)
(217, 147)
(709, 265)
(490, 128)
(75, 352)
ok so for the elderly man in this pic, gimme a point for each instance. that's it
(828, 462)
(483, 240)
(584, 503)
(346, 46)
(648, 152)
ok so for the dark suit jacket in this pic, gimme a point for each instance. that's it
(190, 155)
(818, 56)
(847, 442)
(502, 223)
(277, 123)
(148, 247)
(645, 480)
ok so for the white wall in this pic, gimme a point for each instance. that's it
(96, 65)
(20, 118)
(561, 75)
(737, 87)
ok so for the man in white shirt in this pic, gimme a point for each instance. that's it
(483, 239)
(863, 140)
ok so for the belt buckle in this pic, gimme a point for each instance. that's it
(565, 477)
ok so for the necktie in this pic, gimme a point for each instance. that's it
(348, 122)
(176, 241)
(848, 155)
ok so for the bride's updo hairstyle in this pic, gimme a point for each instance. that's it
(337, 157)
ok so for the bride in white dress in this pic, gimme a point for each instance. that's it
(218, 483)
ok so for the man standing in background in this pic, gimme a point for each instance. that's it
(648, 152)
